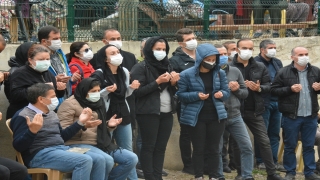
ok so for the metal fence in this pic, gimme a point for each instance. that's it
(85, 20)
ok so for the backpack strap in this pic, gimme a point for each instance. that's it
(80, 69)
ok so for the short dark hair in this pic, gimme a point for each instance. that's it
(94, 83)
(181, 32)
(75, 47)
(265, 43)
(45, 31)
(227, 43)
(243, 39)
(107, 30)
(35, 49)
(37, 90)
(218, 46)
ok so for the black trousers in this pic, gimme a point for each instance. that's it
(206, 136)
(155, 132)
(12, 170)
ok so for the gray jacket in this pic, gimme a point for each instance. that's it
(233, 104)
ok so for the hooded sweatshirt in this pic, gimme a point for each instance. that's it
(181, 61)
(191, 84)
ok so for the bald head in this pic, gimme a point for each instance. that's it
(296, 50)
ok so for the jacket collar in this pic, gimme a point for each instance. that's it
(235, 62)
(309, 67)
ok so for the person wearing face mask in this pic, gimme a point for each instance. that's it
(155, 104)
(116, 87)
(235, 126)
(49, 36)
(96, 134)
(79, 57)
(202, 90)
(38, 136)
(297, 86)
(35, 71)
(183, 58)
(271, 116)
(231, 47)
(257, 81)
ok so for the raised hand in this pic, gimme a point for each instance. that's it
(36, 123)
(112, 88)
(296, 88)
(218, 95)
(203, 96)
(163, 78)
(252, 85)
(174, 77)
(316, 86)
(234, 85)
(85, 115)
(113, 122)
(76, 76)
(61, 86)
(135, 84)
(93, 123)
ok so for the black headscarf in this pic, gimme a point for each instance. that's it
(22, 53)
(103, 136)
(157, 67)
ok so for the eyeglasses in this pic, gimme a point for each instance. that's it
(87, 50)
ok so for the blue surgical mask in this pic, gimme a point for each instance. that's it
(159, 55)
(223, 60)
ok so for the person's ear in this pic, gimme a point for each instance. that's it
(181, 44)
(76, 54)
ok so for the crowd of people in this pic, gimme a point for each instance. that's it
(90, 102)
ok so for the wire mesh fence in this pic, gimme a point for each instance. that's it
(86, 20)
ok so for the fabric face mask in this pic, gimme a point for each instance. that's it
(303, 60)
(54, 104)
(55, 45)
(245, 54)
(232, 54)
(271, 53)
(159, 55)
(87, 56)
(208, 65)
(116, 60)
(93, 97)
(117, 44)
(42, 65)
(192, 44)
(223, 60)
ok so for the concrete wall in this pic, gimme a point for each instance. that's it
(172, 160)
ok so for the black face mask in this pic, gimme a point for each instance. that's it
(208, 66)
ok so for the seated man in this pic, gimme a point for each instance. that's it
(37, 134)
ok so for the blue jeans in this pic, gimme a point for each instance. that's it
(123, 137)
(126, 161)
(238, 131)
(56, 157)
(102, 162)
(272, 119)
(291, 127)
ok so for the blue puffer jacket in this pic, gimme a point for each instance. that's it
(191, 84)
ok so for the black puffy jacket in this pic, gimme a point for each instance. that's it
(258, 71)
(288, 100)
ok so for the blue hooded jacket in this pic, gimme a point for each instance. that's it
(191, 84)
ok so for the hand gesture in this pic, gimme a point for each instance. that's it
(135, 84)
(76, 76)
(203, 96)
(62, 78)
(36, 123)
(218, 95)
(234, 85)
(113, 122)
(316, 86)
(93, 123)
(85, 115)
(252, 85)
(112, 88)
(163, 78)
(174, 77)
(296, 88)
(61, 86)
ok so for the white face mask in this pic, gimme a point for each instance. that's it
(42, 65)
(191, 45)
(303, 60)
(159, 55)
(117, 44)
(54, 104)
(87, 56)
(245, 54)
(93, 97)
(55, 45)
(232, 54)
(116, 60)
(271, 53)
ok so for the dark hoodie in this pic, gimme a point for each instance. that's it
(20, 59)
(146, 72)
(181, 61)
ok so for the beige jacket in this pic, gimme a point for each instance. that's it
(68, 113)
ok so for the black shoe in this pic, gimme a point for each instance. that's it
(226, 169)
(274, 177)
(238, 177)
(312, 177)
(188, 170)
(140, 173)
(232, 166)
(164, 173)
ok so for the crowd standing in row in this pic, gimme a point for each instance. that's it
(91, 101)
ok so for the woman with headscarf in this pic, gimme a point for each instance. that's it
(202, 90)
(154, 104)
(115, 88)
(96, 132)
